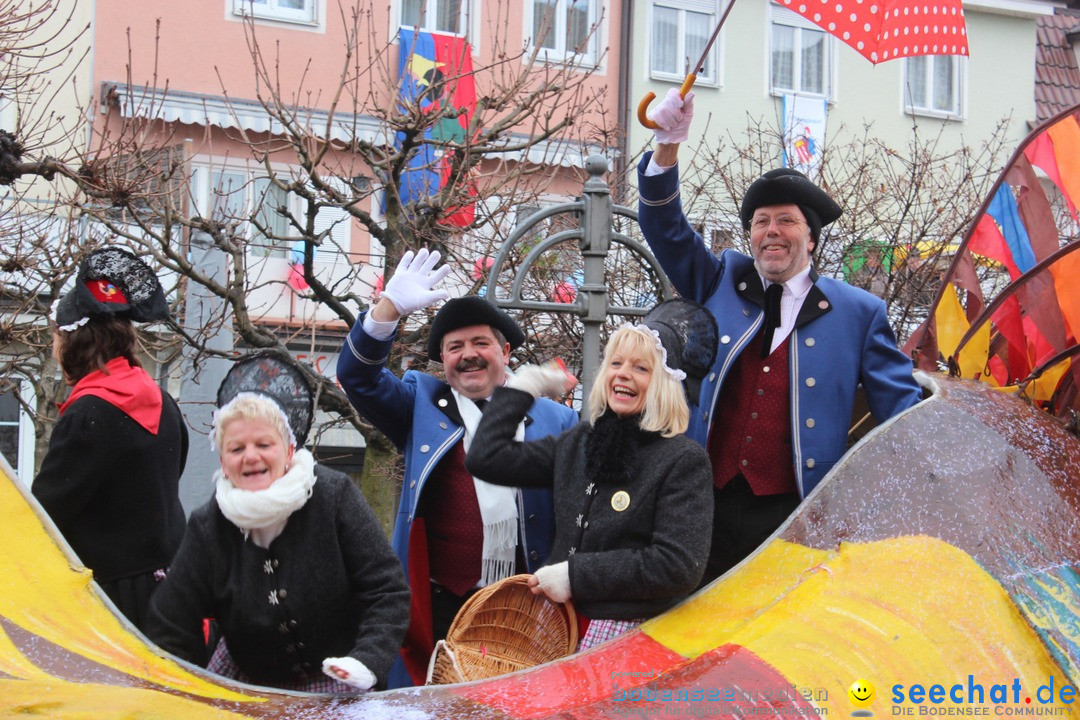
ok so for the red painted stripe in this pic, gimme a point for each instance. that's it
(729, 680)
(580, 680)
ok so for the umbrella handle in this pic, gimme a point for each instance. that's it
(643, 106)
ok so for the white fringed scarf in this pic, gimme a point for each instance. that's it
(262, 514)
(498, 506)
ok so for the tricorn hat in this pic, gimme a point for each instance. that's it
(785, 186)
(466, 311)
(284, 383)
(112, 282)
(688, 333)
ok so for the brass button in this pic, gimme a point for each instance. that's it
(442, 402)
(725, 339)
(809, 342)
(810, 463)
(760, 391)
(753, 416)
(712, 377)
(442, 425)
(749, 439)
(811, 382)
(412, 484)
(765, 369)
(744, 463)
(742, 286)
(283, 593)
(424, 448)
(746, 312)
(810, 422)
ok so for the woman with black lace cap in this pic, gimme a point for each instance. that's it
(633, 515)
(287, 556)
(111, 475)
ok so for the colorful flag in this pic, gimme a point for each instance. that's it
(804, 132)
(436, 75)
(1027, 334)
(296, 278)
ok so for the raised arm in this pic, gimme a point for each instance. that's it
(495, 456)
(379, 396)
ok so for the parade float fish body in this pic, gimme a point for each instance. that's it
(941, 551)
(937, 563)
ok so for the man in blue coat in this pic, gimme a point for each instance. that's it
(454, 533)
(794, 346)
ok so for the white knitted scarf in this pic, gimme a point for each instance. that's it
(265, 512)
(498, 506)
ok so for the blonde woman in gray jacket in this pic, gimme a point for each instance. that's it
(633, 515)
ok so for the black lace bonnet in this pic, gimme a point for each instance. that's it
(284, 383)
(689, 334)
(112, 282)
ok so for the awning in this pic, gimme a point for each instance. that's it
(230, 113)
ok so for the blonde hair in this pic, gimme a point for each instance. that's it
(252, 406)
(666, 411)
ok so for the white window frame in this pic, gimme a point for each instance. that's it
(710, 7)
(782, 16)
(959, 73)
(26, 433)
(270, 10)
(429, 13)
(560, 53)
(205, 199)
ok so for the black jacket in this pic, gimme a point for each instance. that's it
(111, 487)
(624, 564)
(328, 586)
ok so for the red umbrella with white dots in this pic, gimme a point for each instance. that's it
(879, 30)
(888, 29)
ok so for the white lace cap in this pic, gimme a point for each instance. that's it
(258, 396)
(679, 375)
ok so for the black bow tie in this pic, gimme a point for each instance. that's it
(480, 403)
(772, 316)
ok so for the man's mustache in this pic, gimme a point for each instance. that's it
(471, 364)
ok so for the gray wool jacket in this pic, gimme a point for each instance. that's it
(624, 564)
(328, 586)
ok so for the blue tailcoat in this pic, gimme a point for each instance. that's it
(419, 415)
(841, 338)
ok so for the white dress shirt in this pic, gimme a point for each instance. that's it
(795, 291)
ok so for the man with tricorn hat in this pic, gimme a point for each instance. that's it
(794, 346)
(454, 533)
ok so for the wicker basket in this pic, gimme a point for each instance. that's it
(500, 629)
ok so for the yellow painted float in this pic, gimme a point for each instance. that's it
(937, 563)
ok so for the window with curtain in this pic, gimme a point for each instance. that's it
(9, 428)
(298, 11)
(932, 85)
(800, 55)
(564, 29)
(237, 195)
(680, 30)
(442, 16)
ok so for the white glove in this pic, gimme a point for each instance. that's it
(410, 289)
(350, 671)
(540, 380)
(553, 581)
(673, 115)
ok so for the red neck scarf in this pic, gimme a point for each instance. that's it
(129, 388)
